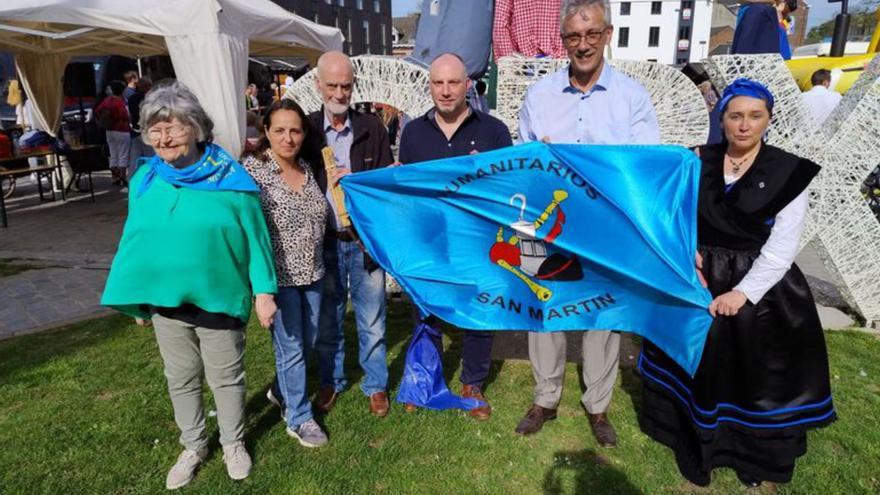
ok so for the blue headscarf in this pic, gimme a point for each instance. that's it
(216, 170)
(746, 87)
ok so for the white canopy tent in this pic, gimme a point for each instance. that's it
(208, 40)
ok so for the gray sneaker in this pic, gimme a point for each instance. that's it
(238, 462)
(183, 471)
(309, 434)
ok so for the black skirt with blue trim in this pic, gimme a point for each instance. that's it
(762, 382)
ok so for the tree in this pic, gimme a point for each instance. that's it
(861, 25)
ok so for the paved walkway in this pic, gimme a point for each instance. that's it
(73, 242)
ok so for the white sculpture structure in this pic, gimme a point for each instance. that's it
(377, 79)
(847, 147)
(681, 111)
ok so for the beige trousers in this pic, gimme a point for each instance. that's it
(601, 354)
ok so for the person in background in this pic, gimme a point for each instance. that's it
(762, 27)
(194, 255)
(251, 104)
(252, 129)
(296, 212)
(763, 377)
(139, 149)
(131, 79)
(480, 102)
(820, 99)
(112, 116)
(527, 27)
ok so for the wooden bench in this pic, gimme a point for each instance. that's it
(17, 166)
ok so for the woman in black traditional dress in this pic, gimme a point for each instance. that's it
(763, 377)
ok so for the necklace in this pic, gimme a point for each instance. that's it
(736, 166)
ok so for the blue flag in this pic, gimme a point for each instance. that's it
(545, 238)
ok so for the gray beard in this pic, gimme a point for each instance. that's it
(336, 108)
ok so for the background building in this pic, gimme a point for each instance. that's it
(403, 34)
(365, 24)
(664, 31)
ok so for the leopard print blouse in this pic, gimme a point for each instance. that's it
(296, 220)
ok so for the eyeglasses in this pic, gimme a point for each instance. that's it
(574, 39)
(174, 131)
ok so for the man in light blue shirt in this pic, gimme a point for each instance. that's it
(587, 102)
(340, 142)
(612, 109)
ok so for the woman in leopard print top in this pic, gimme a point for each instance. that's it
(296, 213)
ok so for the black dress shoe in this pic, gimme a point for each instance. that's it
(748, 480)
(534, 419)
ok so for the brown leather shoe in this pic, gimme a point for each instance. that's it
(379, 404)
(483, 412)
(603, 430)
(326, 399)
(534, 419)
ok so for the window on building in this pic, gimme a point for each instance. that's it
(681, 61)
(366, 25)
(348, 29)
(687, 4)
(656, 8)
(384, 38)
(624, 8)
(342, 3)
(684, 33)
(329, 2)
(377, 6)
(360, 4)
(623, 37)
(654, 36)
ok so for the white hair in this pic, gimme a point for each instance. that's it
(574, 7)
(167, 101)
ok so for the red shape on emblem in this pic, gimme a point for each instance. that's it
(504, 251)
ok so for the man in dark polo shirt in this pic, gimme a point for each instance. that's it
(450, 129)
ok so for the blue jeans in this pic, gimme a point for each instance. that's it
(293, 337)
(344, 263)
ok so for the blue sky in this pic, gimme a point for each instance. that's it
(820, 10)
(400, 8)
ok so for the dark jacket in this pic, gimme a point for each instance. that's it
(370, 147)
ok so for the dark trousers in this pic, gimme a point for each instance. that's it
(476, 347)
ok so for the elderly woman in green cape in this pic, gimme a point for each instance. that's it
(194, 255)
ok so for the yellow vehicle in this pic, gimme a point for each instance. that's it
(844, 70)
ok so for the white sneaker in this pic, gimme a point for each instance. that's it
(238, 461)
(183, 471)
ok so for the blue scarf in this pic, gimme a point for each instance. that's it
(216, 170)
(745, 87)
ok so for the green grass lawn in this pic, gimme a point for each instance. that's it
(85, 410)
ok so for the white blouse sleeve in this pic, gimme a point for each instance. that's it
(778, 253)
